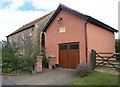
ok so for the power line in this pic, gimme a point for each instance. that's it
(35, 7)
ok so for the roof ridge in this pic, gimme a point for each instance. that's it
(27, 25)
(73, 9)
(36, 19)
(75, 12)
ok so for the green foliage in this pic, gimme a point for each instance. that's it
(44, 61)
(15, 61)
(8, 57)
(83, 69)
(97, 79)
(26, 64)
(117, 45)
(0, 50)
(31, 51)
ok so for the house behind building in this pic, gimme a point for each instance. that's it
(29, 32)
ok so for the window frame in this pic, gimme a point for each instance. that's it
(66, 48)
(74, 47)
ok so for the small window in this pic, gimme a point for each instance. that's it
(74, 46)
(63, 47)
(62, 29)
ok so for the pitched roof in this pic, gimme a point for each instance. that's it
(86, 17)
(30, 24)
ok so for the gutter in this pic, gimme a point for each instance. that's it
(86, 41)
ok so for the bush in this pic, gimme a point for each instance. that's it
(13, 62)
(26, 64)
(83, 69)
(8, 58)
(117, 45)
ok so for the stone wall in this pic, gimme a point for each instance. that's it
(38, 64)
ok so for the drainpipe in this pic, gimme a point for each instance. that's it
(86, 43)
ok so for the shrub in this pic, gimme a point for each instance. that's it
(13, 60)
(8, 57)
(26, 64)
(83, 69)
(117, 45)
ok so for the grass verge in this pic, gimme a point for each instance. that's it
(97, 78)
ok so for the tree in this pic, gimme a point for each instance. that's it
(8, 57)
(117, 45)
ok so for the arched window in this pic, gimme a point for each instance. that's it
(43, 40)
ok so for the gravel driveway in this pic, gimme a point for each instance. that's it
(46, 77)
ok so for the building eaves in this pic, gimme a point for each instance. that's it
(86, 17)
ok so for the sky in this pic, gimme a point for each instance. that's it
(16, 13)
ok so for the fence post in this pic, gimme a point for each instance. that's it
(93, 58)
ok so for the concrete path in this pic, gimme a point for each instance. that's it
(46, 77)
(6, 81)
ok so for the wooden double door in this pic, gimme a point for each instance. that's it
(69, 55)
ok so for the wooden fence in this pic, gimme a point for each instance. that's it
(105, 59)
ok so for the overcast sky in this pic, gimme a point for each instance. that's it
(16, 13)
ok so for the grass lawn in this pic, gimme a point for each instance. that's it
(97, 78)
